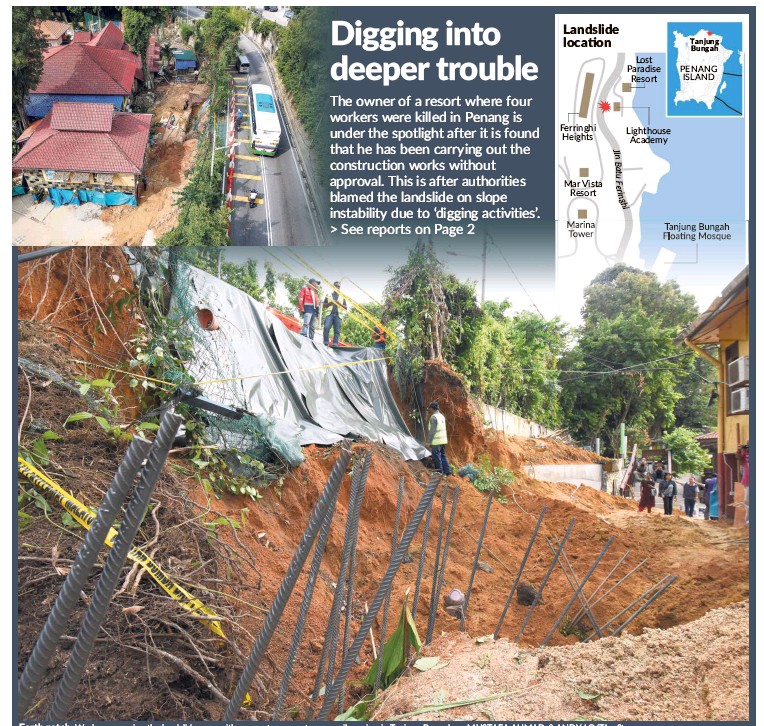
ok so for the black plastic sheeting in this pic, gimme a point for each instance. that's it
(268, 360)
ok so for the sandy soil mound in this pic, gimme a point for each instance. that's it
(694, 672)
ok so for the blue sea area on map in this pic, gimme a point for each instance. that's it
(729, 101)
(706, 183)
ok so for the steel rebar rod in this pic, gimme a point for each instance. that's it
(436, 566)
(446, 546)
(101, 599)
(617, 584)
(420, 569)
(646, 593)
(574, 584)
(652, 599)
(475, 562)
(580, 613)
(580, 589)
(387, 581)
(519, 572)
(353, 558)
(360, 471)
(537, 597)
(69, 595)
(332, 629)
(287, 584)
(386, 608)
(315, 566)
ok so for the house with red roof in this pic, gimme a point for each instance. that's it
(56, 32)
(101, 70)
(83, 152)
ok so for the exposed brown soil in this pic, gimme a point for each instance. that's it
(166, 162)
(708, 557)
(678, 674)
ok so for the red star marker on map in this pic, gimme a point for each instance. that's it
(708, 32)
(604, 106)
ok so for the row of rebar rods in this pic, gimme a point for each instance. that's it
(519, 572)
(315, 565)
(592, 603)
(353, 558)
(68, 597)
(652, 599)
(436, 566)
(333, 689)
(475, 561)
(581, 612)
(570, 576)
(646, 593)
(578, 592)
(328, 650)
(537, 597)
(584, 600)
(115, 561)
(386, 609)
(276, 610)
(442, 572)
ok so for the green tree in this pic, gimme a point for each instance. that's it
(27, 46)
(625, 367)
(302, 60)
(415, 295)
(687, 455)
(139, 25)
(217, 29)
(199, 227)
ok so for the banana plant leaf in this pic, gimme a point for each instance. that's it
(396, 651)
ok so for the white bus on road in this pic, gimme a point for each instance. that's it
(266, 129)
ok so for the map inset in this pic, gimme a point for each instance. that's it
(705, 65)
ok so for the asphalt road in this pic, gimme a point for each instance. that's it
(282, 216)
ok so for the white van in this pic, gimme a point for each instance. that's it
(243, 64)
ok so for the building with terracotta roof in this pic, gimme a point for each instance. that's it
(721, 336)
(87, 152)
(101, 70)
(56, 32)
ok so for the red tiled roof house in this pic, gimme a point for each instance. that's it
(56, 32)
(87, 147)
(101, 70)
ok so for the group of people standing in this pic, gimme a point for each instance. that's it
(659, 482)
(310, 311)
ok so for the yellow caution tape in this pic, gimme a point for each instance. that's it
(85, 517)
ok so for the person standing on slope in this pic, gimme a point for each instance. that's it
(437, 438)
(308, 304)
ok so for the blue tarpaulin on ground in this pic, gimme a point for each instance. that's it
(19, 190)
(59, 197)
(107, 199)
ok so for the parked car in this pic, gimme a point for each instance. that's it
(271, 8)
(289, 14)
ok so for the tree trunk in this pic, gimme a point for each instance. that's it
(22, 115)
(148, 80)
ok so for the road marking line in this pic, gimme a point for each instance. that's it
(247, 176)
(236, 198)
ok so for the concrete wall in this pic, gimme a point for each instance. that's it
(509, 423)
(120, 182)
(589, 475)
